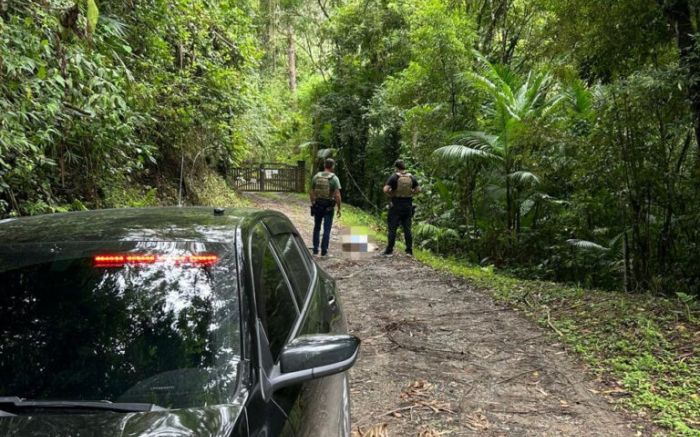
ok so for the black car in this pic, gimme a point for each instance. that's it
(168, 322)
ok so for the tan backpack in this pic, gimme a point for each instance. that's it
(322, 186)
(404, 185)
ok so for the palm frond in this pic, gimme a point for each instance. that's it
(480, 82)
(537, 88)
(617, 242)
(580, 98)
(513, 110)
(586, 245)
(509, 76)
(521, 100)
(524, 177)
(464, 153)
(553, 105)
(551, 199)
(479, 140)
(505, 77)
(496, 79)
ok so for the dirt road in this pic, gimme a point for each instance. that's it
(441, 358)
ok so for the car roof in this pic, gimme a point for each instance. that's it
(132, 224)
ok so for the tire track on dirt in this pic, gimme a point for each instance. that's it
(441, 358)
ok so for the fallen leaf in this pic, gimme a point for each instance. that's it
(378, 430)
(477, 421)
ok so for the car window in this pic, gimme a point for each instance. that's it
(276, 307)
(126, 322)
(298, 269)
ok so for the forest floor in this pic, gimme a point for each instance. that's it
(440, 357)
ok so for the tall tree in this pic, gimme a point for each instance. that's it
(684, 23)
(291, 58)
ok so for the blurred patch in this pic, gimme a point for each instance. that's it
(358, 243)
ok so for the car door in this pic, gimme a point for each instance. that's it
(278, 312)
(322, 406)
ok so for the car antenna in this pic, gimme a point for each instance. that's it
(179, 188)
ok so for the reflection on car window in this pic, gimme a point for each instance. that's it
(299, 270)
(275, 304)
(159, 333)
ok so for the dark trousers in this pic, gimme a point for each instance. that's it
(400, 215)
(325, 216)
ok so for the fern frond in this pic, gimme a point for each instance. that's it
(524, 177)
(587, 245)
(464, 153)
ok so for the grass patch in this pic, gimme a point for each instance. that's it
(209, 189)
(352, 216)
(134, 196)
(646, 348)
(212, 190)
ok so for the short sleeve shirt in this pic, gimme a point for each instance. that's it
(333, 181)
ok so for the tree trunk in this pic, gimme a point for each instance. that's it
(666, 236)
(510, 227)
(268, 12)
(639, 245)
(291, 58)
(678, 14)
(626, 258)
(496, 15)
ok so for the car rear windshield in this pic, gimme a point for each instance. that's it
(154, 322)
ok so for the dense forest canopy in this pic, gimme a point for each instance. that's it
(557, 138)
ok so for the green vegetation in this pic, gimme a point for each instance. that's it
(99, 98)
(556, 140)
(548, 140)
(645, 348)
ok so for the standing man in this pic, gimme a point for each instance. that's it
(401, 187)
(325, 196)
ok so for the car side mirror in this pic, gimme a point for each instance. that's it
(304, 358)
(314, 356)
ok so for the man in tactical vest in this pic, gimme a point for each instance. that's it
(325, 196)
(401, 187)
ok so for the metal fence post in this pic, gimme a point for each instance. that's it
(301, 176)
(262, 177)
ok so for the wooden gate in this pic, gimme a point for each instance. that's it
(270, 177)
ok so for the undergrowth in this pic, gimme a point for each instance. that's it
(132, 197)
(645, 348)
(209, 189)
(212, 190)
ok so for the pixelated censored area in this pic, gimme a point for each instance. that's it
(358, 243)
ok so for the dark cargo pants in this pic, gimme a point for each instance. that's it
(400, 215)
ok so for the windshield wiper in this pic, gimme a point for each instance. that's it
(15, 405)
